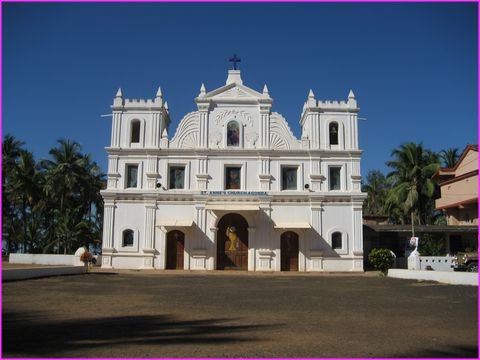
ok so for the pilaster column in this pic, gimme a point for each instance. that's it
(213, 255)
(149, 236)
(316, 177)
(251, 249)
(201, 221)
(203, 136)
(265, 126)
(267, 210)
(116, 129)
(108, 222)
(202, 172)
(316, 214)
(155, 133)
(149, 241)
(152, 172)
(357, 229)
(108, 234)
(162, 249)
(264, 176)
(112, 175)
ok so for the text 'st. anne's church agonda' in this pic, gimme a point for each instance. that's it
(233, 188)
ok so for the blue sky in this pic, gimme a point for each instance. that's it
(412, 66)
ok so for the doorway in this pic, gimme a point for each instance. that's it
(175, 250)
(232, 243)
(289, 251)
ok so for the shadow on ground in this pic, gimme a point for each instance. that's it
(451, 352)
(37, 336)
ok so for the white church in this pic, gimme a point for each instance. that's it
(233, 188)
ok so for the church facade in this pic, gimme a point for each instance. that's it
(233, 188)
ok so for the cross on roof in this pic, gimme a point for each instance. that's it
(234, 59)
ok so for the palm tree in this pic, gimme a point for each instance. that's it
(11, 150)
(73, 181)
(26, 187)
(449, 157)
(376, 189)
(63, 180)
(71, 232)
(54, 204)
(413, 188)
(63, 173)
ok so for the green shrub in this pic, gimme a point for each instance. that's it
(381, 259)
(431, 246)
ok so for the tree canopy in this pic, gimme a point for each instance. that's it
(51, 205)
(407, 193)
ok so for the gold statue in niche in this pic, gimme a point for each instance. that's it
(233, 237)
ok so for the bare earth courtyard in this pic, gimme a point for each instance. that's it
(135, 314)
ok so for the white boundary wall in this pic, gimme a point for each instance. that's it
(43, 259)
(447, 277)
(437, 263)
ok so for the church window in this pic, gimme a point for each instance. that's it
(233, 134)
(177, 177)
(337, 240)
(127, 238)
(333, 131)
(289, 178)
(135, 131)
(232, 178)
(334, 178)
(132, 176)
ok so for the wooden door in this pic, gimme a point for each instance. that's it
(175, 249)
(232, 243)
(289, 251)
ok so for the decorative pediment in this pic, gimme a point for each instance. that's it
(233, 92)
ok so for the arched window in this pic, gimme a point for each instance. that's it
(233, 134)
(333, 131)
(127, 238)
(135, 132)
(337, 240)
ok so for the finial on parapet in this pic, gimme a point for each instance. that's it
(352, 102)
(166, 105)
(159, 93)
(164, 139)
(311, 99)
(118, 100)
(202, 91)
(159, 97)
(265, 90)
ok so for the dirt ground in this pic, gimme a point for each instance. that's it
(156, 314)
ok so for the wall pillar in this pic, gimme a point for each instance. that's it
(213, 255)
(357, 233)
(149, 236)
(108, 234)
(265, 126)
(251, 249)
(116, 129)
(203, 135)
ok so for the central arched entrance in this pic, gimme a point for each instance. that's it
(232, 243)
(289, 251)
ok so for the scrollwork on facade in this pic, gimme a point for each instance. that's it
(246, 117)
